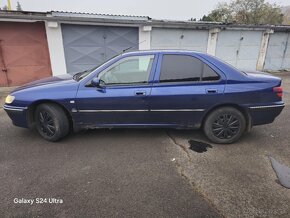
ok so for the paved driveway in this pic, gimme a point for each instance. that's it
(102, 173)
(142, 173)
(238, 179)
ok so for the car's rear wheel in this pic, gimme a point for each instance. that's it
(51, 122)
(224, 125)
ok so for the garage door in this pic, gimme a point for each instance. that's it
(24, 55)
(239, 48)
(88, 46)
(165, 38)
(278, 52)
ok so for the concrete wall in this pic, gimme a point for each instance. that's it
(56, 50)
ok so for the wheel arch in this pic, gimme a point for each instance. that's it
(243, 110)
(32, 107)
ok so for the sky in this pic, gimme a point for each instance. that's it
(158, 9)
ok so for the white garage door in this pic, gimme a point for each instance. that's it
(165, 38)
(278, 52)
(239, 48)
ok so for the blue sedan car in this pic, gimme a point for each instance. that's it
(170, 89)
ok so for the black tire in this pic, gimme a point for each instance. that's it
(224, 125)
(51, 122)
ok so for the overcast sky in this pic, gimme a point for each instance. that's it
(161, 9)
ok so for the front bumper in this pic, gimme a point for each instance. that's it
(18, 115)
(265, 114)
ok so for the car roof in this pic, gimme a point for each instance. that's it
(164, 51)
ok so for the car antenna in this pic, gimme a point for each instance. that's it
(126, 49)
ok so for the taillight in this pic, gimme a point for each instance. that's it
(278, 91)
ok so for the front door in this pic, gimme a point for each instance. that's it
(122, 98)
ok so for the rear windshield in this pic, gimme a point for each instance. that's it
(222, 62)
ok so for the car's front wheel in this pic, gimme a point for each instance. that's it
(51, 122)
(224, 125)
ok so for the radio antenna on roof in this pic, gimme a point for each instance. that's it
(133, 46)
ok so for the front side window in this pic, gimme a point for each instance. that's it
(185, 68)
(129, 70)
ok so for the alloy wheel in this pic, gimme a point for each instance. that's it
(46, 122)
(226, 126)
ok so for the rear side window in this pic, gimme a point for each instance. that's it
(184, 68)
(209, 74)
(180, 68)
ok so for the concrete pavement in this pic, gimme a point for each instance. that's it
(238, 178)
(129, 173)
(102, 173)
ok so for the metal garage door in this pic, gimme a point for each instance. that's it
(164, 38)
(24, 55)
(88, 46)
(239, 48)
(278, 52)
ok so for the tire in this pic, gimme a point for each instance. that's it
(224, 125)
(51, 122)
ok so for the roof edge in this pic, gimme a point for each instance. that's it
(80, 17)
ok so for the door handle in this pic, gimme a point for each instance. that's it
(211, 91)
(140, 93)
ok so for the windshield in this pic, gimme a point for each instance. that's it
(226, 63)
(80, 75)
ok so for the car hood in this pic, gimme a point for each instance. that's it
(55, 80)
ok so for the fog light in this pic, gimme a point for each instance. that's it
(9, 99)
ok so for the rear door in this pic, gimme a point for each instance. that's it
(184, 87)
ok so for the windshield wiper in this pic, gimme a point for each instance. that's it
(77, 75)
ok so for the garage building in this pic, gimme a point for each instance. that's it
(34, 45)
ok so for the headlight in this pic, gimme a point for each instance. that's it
(9, 99)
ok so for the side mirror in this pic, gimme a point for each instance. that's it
(96, 82)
